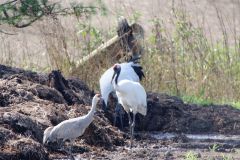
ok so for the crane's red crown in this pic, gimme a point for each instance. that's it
(98, 95)
(116, 66)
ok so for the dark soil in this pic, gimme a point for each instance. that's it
(170, 114)
(30, 102)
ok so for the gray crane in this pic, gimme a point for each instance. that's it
(72, 128)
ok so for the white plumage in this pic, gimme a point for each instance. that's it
(131, 95)
(127, 72)
(72, 128)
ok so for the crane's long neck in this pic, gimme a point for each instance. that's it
(93, 108)
(116, 78)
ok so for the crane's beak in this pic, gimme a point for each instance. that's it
(113, 76)
(46, 142)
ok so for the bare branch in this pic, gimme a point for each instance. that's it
(4, 32)
(6, 3)
(22, 13)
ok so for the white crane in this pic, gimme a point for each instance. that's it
(131, 95)
(72, 128)
(129, 70)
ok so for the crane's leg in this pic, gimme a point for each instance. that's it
(129, 119)
(132, 131)
(115, 118)
(70, 150)
(121, 119)
(115, 114)
(104, 106)
(61, 145)
(130, 128)
(118, 113)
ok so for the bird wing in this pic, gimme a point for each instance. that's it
(106, 86)
(138, 70)
(134, 95)
(67, 129)
(128, 72)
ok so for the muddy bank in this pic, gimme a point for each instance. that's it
(30, 102)
(170, 114)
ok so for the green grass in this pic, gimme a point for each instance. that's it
(190, 156)
(224, 157)
(214, 147)
(235, 104)
(196, 100)
(205, 102)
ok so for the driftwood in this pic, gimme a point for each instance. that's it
(127, 43)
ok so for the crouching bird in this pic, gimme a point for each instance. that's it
(72, 128)
(131, 95)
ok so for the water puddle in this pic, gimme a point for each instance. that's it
(200, 137)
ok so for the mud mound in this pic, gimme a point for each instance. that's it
(23, 124)
(73, 90)
(7, 72)
(23, 148)
(17, 86)
(170, 114)
(31, 102)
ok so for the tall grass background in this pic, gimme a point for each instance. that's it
(181, 57)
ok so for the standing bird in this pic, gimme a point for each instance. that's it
(129, 70)
(131, 95)
(72, 128)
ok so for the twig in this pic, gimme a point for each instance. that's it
(2, 31)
